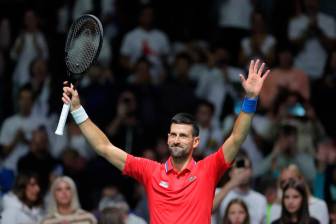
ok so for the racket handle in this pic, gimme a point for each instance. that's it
(62, 119)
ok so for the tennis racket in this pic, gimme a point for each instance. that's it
(83, 44)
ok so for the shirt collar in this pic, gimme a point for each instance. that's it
(169, 165)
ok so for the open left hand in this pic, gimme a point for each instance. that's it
(256, 77)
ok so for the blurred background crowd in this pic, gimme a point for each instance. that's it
(160, 58)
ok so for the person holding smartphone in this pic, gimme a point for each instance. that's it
(239, 186)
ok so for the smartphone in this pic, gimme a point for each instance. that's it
(240, 163)
(297, 110)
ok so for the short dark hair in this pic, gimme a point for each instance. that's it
(208, 104)
(185, 118)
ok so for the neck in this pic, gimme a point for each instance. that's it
(294, 218)
(180, 164)
(65, 209)
(25, 113)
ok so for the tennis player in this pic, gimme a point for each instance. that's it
(179, 191)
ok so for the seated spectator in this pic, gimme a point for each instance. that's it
(16, 131)
(241, 188)
(284, 153)
(260, 44)
(24, 203)
(38, 159)
(145, 40)
(317, 207)
(294, 204)
(284, 76)
(218, 82)
(126, 128)
(211, 135)
(111, 216)
(117, 201)
(30, 44)
(236, 213)
(314, 34)
(64, 206)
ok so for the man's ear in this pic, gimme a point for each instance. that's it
(196, 142)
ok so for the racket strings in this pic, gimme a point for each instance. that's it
(82, 45)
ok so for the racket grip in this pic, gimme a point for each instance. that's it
(62, 119)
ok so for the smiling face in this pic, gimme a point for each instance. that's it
(237, 214)
(63, 194)
(181, 141)
(292, 200)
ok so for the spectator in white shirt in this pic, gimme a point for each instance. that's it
(145, 40)
(28, 45)
(16, 131)
(241, 188)
(260, 44)
(314, 33)
(24, 203)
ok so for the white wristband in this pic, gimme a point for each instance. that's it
(79, 115)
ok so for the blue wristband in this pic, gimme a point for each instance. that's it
(249, 105)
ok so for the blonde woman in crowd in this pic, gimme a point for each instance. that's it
(64, 206)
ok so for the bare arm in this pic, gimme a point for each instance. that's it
(252, 86)
(94, 135)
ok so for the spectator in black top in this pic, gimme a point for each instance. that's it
(295, 205)
(38, 159)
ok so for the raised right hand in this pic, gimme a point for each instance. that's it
(70, 95)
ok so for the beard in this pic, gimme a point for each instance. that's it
(178, 152)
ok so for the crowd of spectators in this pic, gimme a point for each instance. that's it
(160, 58)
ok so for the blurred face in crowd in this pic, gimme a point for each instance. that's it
(39, 141)
(32, 190)
(30, 20)
(312, 6)
(292, 200)
(63, 194)
(237, 213)
(25, 102)
(142, 72)
(39, 71)
(258, 25)
(285, 59)
(182, 66)
(146, 18)
(181, 141)
(204, 115)
(128, 101)
(221, 57)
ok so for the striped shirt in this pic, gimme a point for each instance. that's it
(79, 217)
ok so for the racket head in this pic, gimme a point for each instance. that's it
(83, 44)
